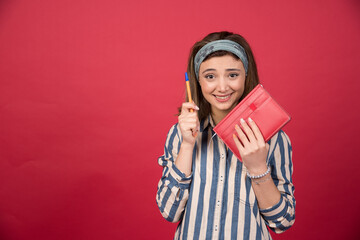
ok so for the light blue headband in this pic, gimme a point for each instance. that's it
(225, 45)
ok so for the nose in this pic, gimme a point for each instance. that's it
(222, 85)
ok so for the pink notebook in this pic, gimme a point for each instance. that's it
(269, 116)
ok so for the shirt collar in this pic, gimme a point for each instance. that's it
(206, 123)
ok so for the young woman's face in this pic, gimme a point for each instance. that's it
(222, 81)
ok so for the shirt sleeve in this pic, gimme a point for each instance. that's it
(173, 188)
(281, 216)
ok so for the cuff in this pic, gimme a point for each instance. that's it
(179, 176)
(276, 211)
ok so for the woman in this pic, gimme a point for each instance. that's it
(203, 185)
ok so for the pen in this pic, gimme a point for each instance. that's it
(188, 89)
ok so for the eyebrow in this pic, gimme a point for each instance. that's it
(228, 70)
(208, 70)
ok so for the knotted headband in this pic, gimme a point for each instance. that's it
(225, 45)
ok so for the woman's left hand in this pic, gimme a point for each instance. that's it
(252, 147)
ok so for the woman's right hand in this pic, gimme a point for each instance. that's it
(189, 122)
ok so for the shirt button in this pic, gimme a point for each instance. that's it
(216, 228)
(222, 155)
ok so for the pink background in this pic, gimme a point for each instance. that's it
(89, 90)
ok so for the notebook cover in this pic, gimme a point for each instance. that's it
(268, 115)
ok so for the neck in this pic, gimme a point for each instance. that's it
(218, 116)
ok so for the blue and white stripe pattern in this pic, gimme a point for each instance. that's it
(217, 201)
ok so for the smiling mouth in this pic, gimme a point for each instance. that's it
(223, 97)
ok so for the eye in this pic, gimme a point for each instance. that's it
(233, 75)
(209, 76)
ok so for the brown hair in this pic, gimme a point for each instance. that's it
(251, 80)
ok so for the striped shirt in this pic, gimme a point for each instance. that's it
(217, 201)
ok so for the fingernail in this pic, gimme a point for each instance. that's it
(250, 120)
(197, 108)
(237, 126)
(242, 120)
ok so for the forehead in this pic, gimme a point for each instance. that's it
(219, 62)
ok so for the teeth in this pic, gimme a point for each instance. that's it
(224, 97)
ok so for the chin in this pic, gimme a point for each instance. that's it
(223, 107)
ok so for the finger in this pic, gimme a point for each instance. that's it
(193, 115)
(194, 129)
(189, 121)
(256, 131)
(244, 140)
(189, 125)
(188, 117)
(187, 106)
(188, 129)
(248, 131)
(238, 143)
